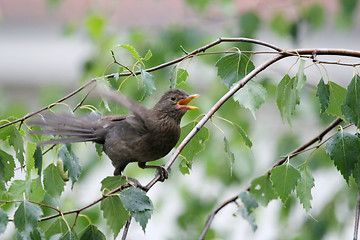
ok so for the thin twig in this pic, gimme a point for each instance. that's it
(126, 229)
(200, 50)
(318, 138)
(294, 153)
(357, 216)
(212, 215)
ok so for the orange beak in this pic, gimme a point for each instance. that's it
(183, 103)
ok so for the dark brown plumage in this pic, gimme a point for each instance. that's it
(143, 136)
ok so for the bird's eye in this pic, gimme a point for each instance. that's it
(173, 98)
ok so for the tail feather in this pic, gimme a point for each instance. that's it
(65, 140)
(70, 128)
(69, 133)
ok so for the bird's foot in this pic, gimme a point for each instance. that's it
(163, 173)
(135, 183)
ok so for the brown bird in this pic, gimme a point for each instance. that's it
(144, 135)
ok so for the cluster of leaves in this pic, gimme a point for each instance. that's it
(343, 147)
(283, 179)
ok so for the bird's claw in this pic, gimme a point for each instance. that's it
(163, 173)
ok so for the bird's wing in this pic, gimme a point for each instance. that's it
(139, 118)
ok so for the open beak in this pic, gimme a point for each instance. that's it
(183, 103)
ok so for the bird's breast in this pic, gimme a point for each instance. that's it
(161, 140)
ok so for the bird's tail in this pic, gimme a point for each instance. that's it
(70, 128)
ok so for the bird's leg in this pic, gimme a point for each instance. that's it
(163, 173)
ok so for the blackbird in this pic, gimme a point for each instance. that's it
(142, 136)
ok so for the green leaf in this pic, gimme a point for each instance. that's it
(262, 189)
(26, 217)
(230, 154)
(92, 233)
(37, 192)
(29, 188)
(53, 183)
(69, 235)
(287, 97)
(284, 179)
(251, 96)
(337, 97)
(304, 186)
(16, 140)
(351, 106)
(344, 149)
(148, 82)
(300, 76)
(37, 234)
(57, 227)
(249, 201)
(249, 204)
(112, 182)
(148, 55)
(3, 221)
(135, 200)
(249, 217)
(177, 76)
(17, 188)
(182, 75)
(7, 166)
(71, 162)
(38, 160)
(196, 144)
(185, 166)
(114, 213)
(231, 68)
(99, 149)
(138, 204)
(132, 50)
(323, 94)
(243, 135)
(30, 163)
(142, 217)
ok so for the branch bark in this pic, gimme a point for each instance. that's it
(357, 217)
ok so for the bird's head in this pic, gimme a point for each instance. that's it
(174, 103)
